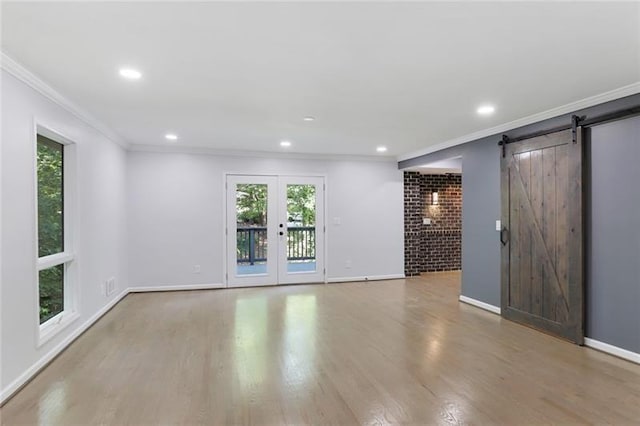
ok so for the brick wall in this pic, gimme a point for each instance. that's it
(413, 210)
(434, 247)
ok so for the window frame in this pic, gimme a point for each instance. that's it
(54, 325)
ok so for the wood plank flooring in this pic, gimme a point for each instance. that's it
(403, 351)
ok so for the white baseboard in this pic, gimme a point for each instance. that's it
(612, 350)
(591, 343)
(25, 377)
(479, 304)
(367, 278)
(144, 289)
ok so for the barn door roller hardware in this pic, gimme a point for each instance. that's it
(575, 123)
(503, 143)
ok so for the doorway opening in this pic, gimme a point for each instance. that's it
(275, 230)
(433, 217)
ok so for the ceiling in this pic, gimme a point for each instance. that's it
(241, 76)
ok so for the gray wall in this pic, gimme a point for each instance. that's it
(613, 229)
(480, 210)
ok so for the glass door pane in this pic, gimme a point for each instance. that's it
(251, 231)
(301, 228)
(251, 228)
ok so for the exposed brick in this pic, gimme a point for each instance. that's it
(435, 247)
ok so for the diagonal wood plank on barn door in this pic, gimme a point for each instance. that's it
(539, 287)
(539, 257)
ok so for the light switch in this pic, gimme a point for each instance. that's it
(498, 225)
(426, 221)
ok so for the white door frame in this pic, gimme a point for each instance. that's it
(270, 277)
(227, 267)
(284, 276)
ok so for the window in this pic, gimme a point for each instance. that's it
(55, 257)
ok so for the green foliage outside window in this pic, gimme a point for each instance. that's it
(51, 292)
(50, 160)
(251, 204)
(301, 204)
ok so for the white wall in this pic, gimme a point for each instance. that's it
(147, 218)
(100, 225)
(175, 212)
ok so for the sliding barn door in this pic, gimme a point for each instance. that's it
(542, 280)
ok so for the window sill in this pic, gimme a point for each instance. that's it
(54, 326)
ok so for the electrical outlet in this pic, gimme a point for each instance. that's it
(196, 269)
(348, 264)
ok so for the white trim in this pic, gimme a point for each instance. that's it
(50, 328)
(631, 89)
(52, 260)
(225, 230)
(318, 275)
(36, 83)
(181, 149)
(479, 304)
(366, 278)
(326, 230)
(144, 289)
(25, 377)
(49, 131)
(612, 350)
(270, 276)
(267, 174)
(588, 342)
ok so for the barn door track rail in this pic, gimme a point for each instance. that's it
(576, 121)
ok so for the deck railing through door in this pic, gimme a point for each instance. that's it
(252, 244)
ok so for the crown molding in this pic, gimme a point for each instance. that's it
(21, 73)
(631, 89)
(179, 149)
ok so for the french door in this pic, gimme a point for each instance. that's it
(275, 230)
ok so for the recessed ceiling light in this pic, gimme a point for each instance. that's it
(309, 118)
(171, 136)
(381, 149)
(285, 144)
(130, 73)
(486, 109)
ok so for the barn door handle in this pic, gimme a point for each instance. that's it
(504, 236)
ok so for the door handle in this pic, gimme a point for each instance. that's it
(504, 236)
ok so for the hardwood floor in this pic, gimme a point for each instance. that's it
(403, 351)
